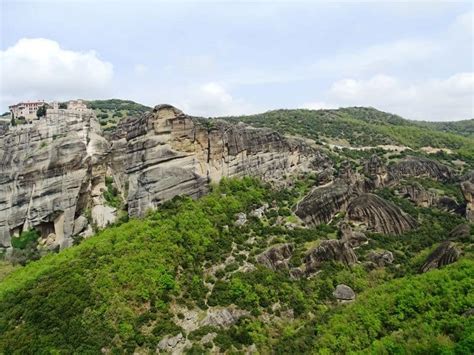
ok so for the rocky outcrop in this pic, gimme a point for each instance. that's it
(276, 257)
(376, 170)
(53, 172)
(419, 167)
(328, 250)
(445, 254)
(323, 202)
(223, 317)
(381, 258)
(449, 204)
(354, 238)
(462, 233)
(344, 293)
(48, 170)
(169, 153)
(379, 215)
(417, 194)
(467, 188)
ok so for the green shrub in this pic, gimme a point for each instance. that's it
(25, 238)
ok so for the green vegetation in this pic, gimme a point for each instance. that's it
(126, 288)
(111, 195)
(25, 238)
(361, 126)
(413, 315)
(41, 112)
(110, 112)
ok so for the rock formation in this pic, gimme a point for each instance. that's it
(276, 257)
(381, 258)
(419, 167)
(344, 293)
(445, 254)
(379, 215)
(376, 170)
(53, 172)
(417, 194)
(467, 188)
(354, 238)
(328, 250)
(323, 202)
(47, 169)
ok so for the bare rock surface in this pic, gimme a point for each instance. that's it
(344, 293)
(53, 171)
(323, 202)
(381, 258)
(328, 250)
(354, 238)
(467, 188)
(223, 317)
(419, 167)
(276, 257)
(445, 254)
(379, 215)
(417, 194)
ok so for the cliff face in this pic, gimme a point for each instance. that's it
(46, 170)
(169, 153)
(53, 172)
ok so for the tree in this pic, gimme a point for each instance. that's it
(13, 122)
(41, 111)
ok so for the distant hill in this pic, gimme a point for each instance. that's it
(111, 111)
(365, 126)
(464, 128)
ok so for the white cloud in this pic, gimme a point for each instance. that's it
(40, 68)
(213, 99)
(140, 69)
(375, 58)
(436, 99)
(464, 23)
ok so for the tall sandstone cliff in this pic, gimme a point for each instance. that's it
(53, 172)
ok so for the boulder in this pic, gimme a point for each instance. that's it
(417, 194)
(169, 343)
(80, 224)
(376, 170)
(103, 215)
(344, 293)
(419, 167)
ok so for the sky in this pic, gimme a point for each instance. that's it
(218, 58)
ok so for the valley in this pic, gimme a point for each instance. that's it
(292, 231)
